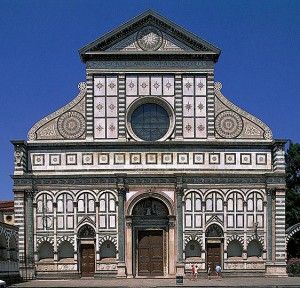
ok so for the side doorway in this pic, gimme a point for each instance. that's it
(87, 260)
(213, 256)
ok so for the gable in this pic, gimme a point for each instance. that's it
(149, 33)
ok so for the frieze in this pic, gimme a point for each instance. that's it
(130, 180)
(163, 64)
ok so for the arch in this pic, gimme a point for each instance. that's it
(197, 238)
(257, 238)
(234, 249)
(65, 238)
(44, 239)
(193, 190)
(235, 191)
(214, 230)
(108, 238)
(85, 191)
(38, 194)
(108, 191)
(142, 195)
(86, 231)
(150, 207)
(214, 201)
(291, 231)
(65, 250)
(46, 250)
(64, 192)
(254, 249)
(192, 249)
(256, 191)
(216, 191)
(235, 237)
(108, 250)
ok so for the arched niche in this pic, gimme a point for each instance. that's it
(86, 231)
(214, 231)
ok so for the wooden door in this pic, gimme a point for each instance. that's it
(213, 256)
(150, 253)
(87, 260)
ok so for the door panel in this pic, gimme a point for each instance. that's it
(213, 256)
(87, 260)
(150, 253)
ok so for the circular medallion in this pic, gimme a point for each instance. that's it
(71, 125)
(229, 124)
(149, 39)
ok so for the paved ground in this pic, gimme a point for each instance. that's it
(163, 283)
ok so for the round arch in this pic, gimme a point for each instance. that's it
(165, 199)
(291, 231)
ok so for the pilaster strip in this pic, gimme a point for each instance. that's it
(210, 106)
(122, 106)
(89, 107)
(178, 106)
(20, 221)
(280, 245)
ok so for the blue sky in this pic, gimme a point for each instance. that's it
(40, 67)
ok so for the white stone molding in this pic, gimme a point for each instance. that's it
(237, 238)
(235, 191)
(110, 238)
(64, 192)
(257, 238)
(67, 238)
(260, 192)
(254, 124)
(44, 239)
(186, 192)
(193, 237)
(78, 194)
(291, 231)
(113, 192)
(52, 132)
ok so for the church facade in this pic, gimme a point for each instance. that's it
(150, 169)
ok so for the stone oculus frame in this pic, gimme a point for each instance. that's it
(93, 199)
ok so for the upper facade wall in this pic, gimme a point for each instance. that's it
(149, 80)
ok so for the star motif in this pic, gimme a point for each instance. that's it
(200, 127)
(168, 85)
(144, 85)
(188, 106)
(156, 85)
(188, 127)
(200, 106)
(131, 85)
(99, 106)
(200, 85)
(112, 128)
(111, 106)
(188, 85)
(99, 128)
(111, 85)
(99, 85)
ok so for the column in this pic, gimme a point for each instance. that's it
(179, 265)
(172, 258)
(128, 249)
(121, 232)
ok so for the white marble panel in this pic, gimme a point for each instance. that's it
(102, 205)
(99, 128)
(188, 220)
(230, 205)
(250, 220)
(200, 86)
(201, 128)
(208, 204)
(168, 85)
(198, 221)
(80, 205)
(200, 106)
(156, 85)
(112, 205)
(230, 220)
(99, 106)
(131, 85)
(70, 222)
(239, 221)
(99, 86)
(219, 204)
(39, 221)
(111, 107)
(60, 222)
(102, 220)
(198, 204)
(188, 106)
(188, 85)
(240, 204)
(144, 85)
(112, 221)
(112, 86)
(112, 128)
(188, 204)
(188, 127)
(260, 220)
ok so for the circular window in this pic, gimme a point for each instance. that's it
(150, 122)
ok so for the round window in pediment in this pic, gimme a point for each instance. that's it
(150, 121)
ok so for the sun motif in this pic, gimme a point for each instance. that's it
(149, 39)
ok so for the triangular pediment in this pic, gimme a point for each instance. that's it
(149, 33)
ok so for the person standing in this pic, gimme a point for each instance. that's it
(196, 272)
(209, 270)
(218, 270)
(193, 272)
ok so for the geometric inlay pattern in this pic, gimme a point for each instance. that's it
(229, 124)
(71, 125)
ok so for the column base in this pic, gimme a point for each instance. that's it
(276, 269)
(179, 269)
(121, 270)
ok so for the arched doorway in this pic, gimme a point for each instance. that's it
(86, 237)
(214, 246)
(152, 230)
